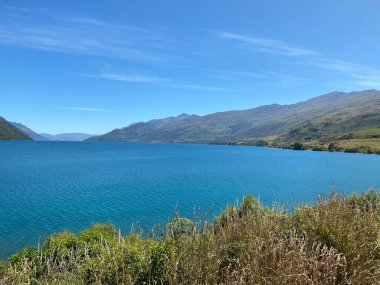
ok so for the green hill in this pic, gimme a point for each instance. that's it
(10, 132)
(343, 119)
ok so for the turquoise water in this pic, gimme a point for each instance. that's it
(47, 187)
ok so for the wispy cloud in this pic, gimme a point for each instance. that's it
(273, 76)
(82, 20)
(17, 9)
(133, 78)
(76, 34)
(189, 86)
(266, 45)
(86, 109)
(361, 75)
(340, 66)
(358, 74)
(369, 81)
(81, 35)
(159, 81)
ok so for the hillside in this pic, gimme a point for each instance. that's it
(28, 132)
(344, 119)
(10, 132)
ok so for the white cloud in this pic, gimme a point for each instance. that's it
(82, 35)
(134, 78)
(361, 75)
(189, 86)
(82, 20)
(89, 36)
(86, 109)
(160, 81)
(266, 45)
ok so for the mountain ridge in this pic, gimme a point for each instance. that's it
(318, 120)
(29, 132)
(10, 132)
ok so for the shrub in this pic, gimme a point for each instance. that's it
(297, 146)
(261, 143)
(179, 227)
(317, 148)
(60, 246)
(249, 205)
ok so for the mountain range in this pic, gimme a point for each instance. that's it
(18, 131)
(343, 119)
(66, 137)
(334, 121)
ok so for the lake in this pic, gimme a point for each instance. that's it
(47, 187)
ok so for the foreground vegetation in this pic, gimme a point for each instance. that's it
(336, 240)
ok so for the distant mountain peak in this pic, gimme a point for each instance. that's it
(67, 137)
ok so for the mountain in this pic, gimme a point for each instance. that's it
(66, 137)
(345, 119)
(10, 132)
(28, 132)
(49, 137)
(146, 131)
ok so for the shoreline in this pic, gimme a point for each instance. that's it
(288, 147)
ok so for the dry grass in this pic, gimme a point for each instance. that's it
(373, 144)
(334, 241)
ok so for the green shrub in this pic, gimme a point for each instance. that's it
(230, 214)
(297, 146)
(61, 245)
(317, 148)
(250, 205)
(98, 233)
(179, 227)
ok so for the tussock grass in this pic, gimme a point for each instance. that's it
(336, 240)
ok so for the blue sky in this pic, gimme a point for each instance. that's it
(92, 66)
